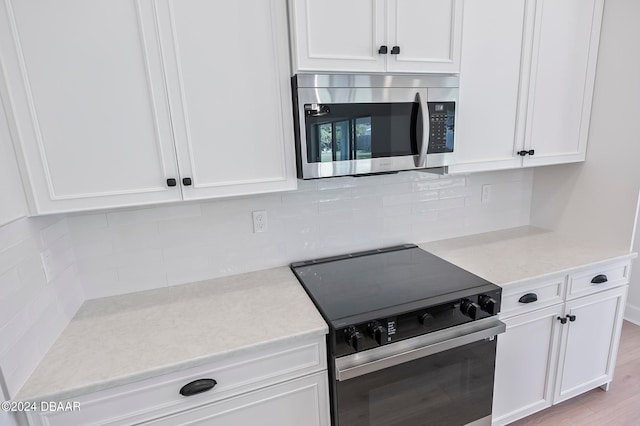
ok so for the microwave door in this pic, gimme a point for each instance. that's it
(356, 138)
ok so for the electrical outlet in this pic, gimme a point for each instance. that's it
(260, 221)
(486, 194)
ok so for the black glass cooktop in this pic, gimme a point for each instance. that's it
(362, 286)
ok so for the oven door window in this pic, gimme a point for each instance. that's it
(454, 387)
(344, 132)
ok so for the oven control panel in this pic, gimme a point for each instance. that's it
(382, 331)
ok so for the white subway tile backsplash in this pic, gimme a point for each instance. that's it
(153, 214)
(11, 333)
(15, 232)
(87, 221)
(97, 282)
(93, 255)
(9, 285)
(69, 291)
(323, 217)
(20, 361)
(52, 233)
(12, 255)
(49, 326)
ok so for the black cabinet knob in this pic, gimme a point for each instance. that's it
(528, 298)
(522, 153)
(171, 182)
(395, 50)
(572, 318)
(531, 151)
(186, 181)
(599, 279)
(383, 50)
(562, 320)
(197, 386)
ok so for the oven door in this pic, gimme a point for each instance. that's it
(441, 378)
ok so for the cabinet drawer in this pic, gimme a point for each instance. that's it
(592, 280)
(296, 402)
(519, 298)
(159, 396)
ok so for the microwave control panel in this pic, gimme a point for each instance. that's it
(441, 126)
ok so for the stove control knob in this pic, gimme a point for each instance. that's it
(378, 332)
(469, 308)
(354, 338)
(425, 318)
(488, 304)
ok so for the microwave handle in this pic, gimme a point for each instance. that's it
(423, 145)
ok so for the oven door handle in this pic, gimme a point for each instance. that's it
(386, 356)
(423, 145)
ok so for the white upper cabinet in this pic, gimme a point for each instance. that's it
(376, 35)
(338, 35)
(426, 34)
(563, 69)
(85, 98)
(487, 125)
(232, 118)
(526, 82)
(126, 103)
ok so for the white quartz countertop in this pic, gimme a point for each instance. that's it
(517, 254)
(123, 339)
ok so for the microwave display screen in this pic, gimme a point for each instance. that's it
(344, 132)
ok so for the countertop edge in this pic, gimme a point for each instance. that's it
(168, 369)
(569, 270)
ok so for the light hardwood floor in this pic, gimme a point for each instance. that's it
(619, 406)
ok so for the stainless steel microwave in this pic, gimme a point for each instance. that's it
(366, 124)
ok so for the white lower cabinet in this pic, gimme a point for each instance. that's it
(526, 352)
(294, 403)
(282, 385)
(589, 343)
(557, 347)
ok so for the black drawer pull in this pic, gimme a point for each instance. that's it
(171, 182)
(572, 318)
(562, 320)
(599, 279)
(383, 50)
(528, 298)
(197, 386)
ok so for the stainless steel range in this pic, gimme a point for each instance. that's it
(412, 337)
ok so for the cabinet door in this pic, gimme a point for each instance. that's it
(227, 68)
(428, 34)
(293, 403)
(337, 35)
(87, 103)
(490, 131)
(526, 359)
(563, 70)
(590, 343)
